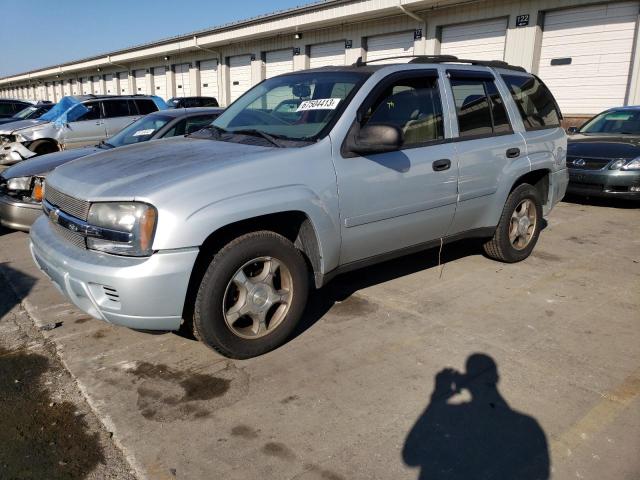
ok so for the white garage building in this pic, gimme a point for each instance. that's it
(586, 51)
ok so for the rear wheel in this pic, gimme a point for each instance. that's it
(519, 227)
(252, 295)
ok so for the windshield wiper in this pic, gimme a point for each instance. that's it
(259, 133)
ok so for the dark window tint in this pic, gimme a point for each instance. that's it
(116, 108)
(6, 109)
(534, 100)
(19, 106)
(413, 105)
(93, 112)
(190, 125)
(146, 106)
(479, 107)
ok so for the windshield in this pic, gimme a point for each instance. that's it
(296, 106)
(139, 131)
(622, 122)
(26, 113)
(59, 111)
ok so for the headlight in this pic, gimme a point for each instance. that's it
(617, 165)
(20, 184)
(632, 165)
(123, 228)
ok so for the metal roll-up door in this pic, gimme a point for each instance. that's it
(239, 75)
(110, 85)
(97, 85)
(141, 82)
(326, 54)
(58, 87)
(75, 90)
(278, 62)
(183, 80)
(86, 86)
(585, 57)
(123, 80)
(209, 78)
(66, 87)
(160, 82)
(483, 40)
(393, 45)
(51, 96)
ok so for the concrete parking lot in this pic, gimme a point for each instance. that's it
(471, 369)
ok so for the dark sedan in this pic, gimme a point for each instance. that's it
(22, 185)
(32, 111)
(603, 156)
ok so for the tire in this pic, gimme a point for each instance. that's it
(42, 147)
(235, 285)
(502, 247)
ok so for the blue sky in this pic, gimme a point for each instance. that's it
(40, 33)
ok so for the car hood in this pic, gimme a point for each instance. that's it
(39, 166)
(604, 146)
(20, 125)
(143, 169)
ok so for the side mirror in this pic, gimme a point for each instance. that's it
(377, 139)
(572, 130)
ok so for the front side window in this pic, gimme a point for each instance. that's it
(190, 125)
(534, 101)
(84, 112)
(297, 106)
(479, 107)
(413, 105)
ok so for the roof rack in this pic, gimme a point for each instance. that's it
(443, 59)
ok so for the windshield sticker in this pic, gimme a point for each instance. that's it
(140, 133)
(320, 104)
(618, 116)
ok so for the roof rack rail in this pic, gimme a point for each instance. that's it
(444, 59)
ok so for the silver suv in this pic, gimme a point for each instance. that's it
(307, 175)
(74, 122)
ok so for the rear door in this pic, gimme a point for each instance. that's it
(86, 129)
(118, 113)
(486, 145)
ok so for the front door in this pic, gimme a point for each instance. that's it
(390, 201)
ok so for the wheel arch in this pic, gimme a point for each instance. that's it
(538, 179)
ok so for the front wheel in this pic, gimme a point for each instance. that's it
(519, 227)
(252, 296)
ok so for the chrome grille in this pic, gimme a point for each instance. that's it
(66, 203)
(589, 162)
(69, 236)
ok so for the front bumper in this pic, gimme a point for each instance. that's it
(18, 215)
(11, 153)
(141, 293)
(604, 183)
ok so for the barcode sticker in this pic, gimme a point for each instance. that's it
(320, 104)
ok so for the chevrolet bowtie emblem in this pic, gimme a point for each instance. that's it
(54, 215)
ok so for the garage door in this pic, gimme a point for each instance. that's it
(97, 85)
(183, 82)
(141, 82)
(66, 87)
(394, 45)
(209, 78)
(239, 75)
(327, 54)
(110, 84)
(586, 56)
(74, 87)
(479, 40)
(51, 96)
(86, 86)
(278, 62)
(123, 80)
(160, 82)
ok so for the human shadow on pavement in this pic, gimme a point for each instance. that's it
(482, 438)
(22, 282)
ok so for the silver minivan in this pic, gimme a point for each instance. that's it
(76, 121)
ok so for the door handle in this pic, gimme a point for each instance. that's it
(441, 165)
(513, 153)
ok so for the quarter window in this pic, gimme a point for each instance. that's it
(413, 105)
(479, 107)
(535, 102)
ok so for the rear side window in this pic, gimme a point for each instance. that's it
(6, 109)
(146, 106)
(116, 108)
(479, 107)
(190, 125)
(535, 102)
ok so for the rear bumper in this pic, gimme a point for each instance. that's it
(18, 215)
(558, 182)
(141, 293)
(604, 183)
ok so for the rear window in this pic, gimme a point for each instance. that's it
(534, 101)
(146, 106)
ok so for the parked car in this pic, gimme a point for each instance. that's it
(75, 121)
(226, 228)
(9, 107)
(22, 185)
(189, 102)
(32, 111)
(603, 155)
